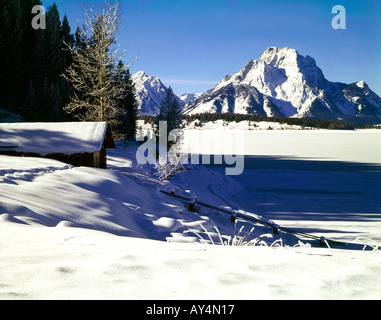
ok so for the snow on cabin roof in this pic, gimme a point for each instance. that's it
(53, 137)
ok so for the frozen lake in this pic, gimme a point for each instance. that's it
(338, 145)
(322, 182)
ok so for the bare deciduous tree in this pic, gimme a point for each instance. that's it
(94, 73)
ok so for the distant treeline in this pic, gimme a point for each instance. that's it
(234, 117)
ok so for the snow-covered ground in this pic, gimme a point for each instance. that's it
(71, 263)
(85, 233)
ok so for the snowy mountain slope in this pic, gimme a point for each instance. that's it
(150, 91)
(187, 97)
(238, 98)
(284, 83)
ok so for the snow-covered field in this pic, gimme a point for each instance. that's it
(85, 233)
(235, 138)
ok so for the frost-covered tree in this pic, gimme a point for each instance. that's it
(94, 73)
(172, 162)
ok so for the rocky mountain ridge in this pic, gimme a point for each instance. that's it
(281, 83)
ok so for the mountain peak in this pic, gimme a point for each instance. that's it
(276, 56)
(294, 64)
(150, 92)
(362, 84)
(284, 83)
(140, 74)
(285, 57)
(142, 77)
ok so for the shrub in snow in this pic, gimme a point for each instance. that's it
(238, 240)
(165, 168)
(242, 239)
(171, 162)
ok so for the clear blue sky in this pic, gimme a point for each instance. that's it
(191, 45)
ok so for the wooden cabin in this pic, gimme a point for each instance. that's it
(75, 143)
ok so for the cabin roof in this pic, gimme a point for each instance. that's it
(55, 137)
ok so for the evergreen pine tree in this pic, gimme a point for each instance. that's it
(49, 64)
(170, 111)
(13, 76)
(44, 102)
(131, 105)
(128, 114)
(54, 44)
(30, 101)
(80, 41)
(67, 40)
(28, 46)
(56, 111)
(30, 58)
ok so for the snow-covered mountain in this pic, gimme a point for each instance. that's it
(188, 97)
(282, 83)
(150, 91)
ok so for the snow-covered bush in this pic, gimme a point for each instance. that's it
(172, 162)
